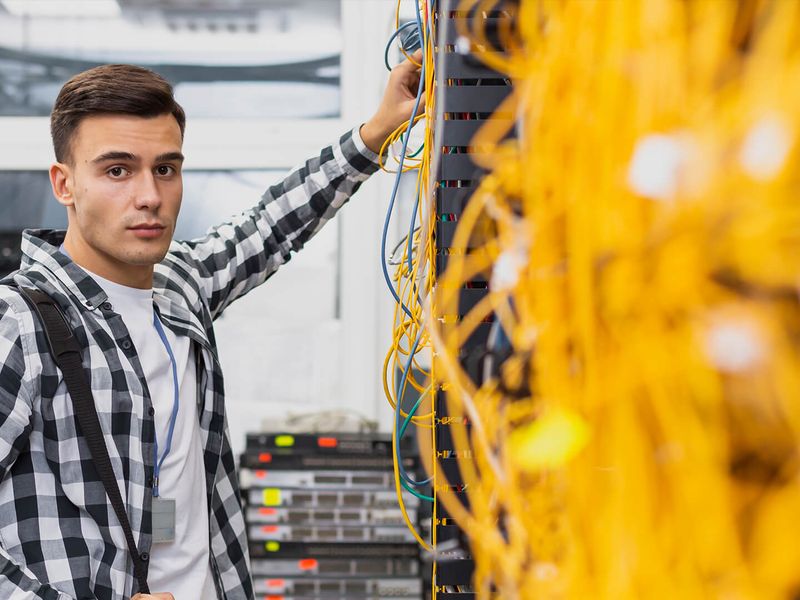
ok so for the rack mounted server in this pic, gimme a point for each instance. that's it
(323, 519)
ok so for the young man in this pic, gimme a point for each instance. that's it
(142, 307)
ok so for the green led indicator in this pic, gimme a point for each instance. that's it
(284, 441)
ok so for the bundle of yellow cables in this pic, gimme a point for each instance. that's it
(644, 263)
(412, 278)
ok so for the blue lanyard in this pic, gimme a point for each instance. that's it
(157, 463)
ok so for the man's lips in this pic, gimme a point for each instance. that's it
(148, 230)
(148, 226)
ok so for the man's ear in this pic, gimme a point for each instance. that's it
(61, 182)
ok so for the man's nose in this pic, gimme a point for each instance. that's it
(147, 193)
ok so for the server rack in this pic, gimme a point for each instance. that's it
(323, 520)
(468, 94)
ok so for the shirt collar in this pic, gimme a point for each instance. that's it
(40, 247)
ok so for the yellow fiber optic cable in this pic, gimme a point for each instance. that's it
(641, 241)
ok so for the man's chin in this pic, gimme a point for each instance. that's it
(146, 258)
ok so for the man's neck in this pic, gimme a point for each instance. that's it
(135, 276)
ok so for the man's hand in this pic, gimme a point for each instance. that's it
(161, 596)
(396, 105)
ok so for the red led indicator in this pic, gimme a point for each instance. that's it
(276, 583)
(261, 474)
(269, 528)
(307, 564)
(267, 511)
(327, 442)
(265, 457)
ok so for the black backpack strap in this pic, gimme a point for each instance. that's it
(67, 354)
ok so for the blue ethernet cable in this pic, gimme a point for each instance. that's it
(385, 233)
(397, 32)
(397, 412)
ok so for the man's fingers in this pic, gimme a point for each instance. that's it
(410, 86)
(161, 596)
(421, 107)
(411, 63)
(408, 78)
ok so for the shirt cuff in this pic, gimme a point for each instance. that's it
(359, 160)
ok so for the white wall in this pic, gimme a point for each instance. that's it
(282, 347)
(336, 364)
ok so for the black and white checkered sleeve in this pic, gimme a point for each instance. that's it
(17, 389)
(233, 258)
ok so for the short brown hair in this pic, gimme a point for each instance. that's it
(110, 89)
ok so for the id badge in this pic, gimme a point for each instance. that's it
(163, 520)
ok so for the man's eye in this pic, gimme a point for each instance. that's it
(165, 170)
(116, 171)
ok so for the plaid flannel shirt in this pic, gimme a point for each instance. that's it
(59, 537)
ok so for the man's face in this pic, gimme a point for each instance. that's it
(123, 190)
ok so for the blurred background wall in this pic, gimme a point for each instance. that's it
(265, 83)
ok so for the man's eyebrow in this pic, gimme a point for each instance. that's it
(176, 156)
(114, 155)
(118, 155)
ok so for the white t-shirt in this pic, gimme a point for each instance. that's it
(180, 567)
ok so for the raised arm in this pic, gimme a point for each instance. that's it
(234, 257)
(238, 255)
